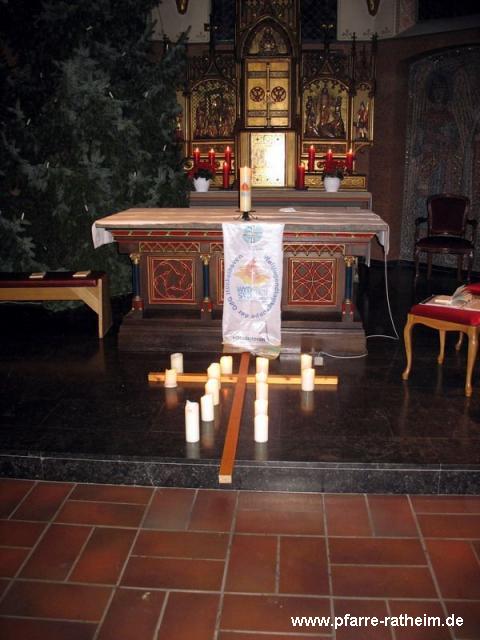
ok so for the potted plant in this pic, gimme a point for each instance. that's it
(332, 174)
(201, 174)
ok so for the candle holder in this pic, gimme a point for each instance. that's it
(246, 215)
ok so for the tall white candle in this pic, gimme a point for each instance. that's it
(261, 407)
(308, 379)
(192, 421)
(206, 406)
(262, 365)
(212, 386)
(306, 361)
(176, 362)
(261, 391)
(226, 365)
(245, 189)
(261, 377)
(214, 371)
(170, 378)
(261, 428)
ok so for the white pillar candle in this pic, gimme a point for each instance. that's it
(262, 365)
(170, 378)
(261, 428)
(226, 365)
(261, 407)
(212, 386)
(245, 189)
(206, 406)
(307, 401)
(213, 371)
(261, 377)
(192, 421)
(261, 391)
(176, 362)
(306, 361)
(308, 379)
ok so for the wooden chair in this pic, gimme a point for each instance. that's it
(445, 319)
(447, 223)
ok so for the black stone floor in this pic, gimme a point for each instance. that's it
(78, 409)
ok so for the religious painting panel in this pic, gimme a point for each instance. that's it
(362, 117)
(442, 127)
(267, 96)
(325, 109)
(213, 110)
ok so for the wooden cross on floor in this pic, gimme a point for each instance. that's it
(241, 379)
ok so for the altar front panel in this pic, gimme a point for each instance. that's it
(178, 258)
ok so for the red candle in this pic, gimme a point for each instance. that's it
(301, 176)
(311, 158)
(228, 157)
(211, 159)
(349, 161)
(196, 157)
(226, 175)
(329, 165)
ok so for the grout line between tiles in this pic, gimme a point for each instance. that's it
(370, 515)
(329, 564)
(430, 566)
(192, 506)
(233, 523)
(48, 524)
(9, 517)
(277, 564)
(122, 570)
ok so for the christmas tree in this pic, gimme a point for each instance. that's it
(87, 128)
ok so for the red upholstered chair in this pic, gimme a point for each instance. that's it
(446, 319)
(447, 223)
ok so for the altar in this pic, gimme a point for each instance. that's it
(178, 274)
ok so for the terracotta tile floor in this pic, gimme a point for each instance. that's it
(91, 562)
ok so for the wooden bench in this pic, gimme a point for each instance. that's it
(89, 286)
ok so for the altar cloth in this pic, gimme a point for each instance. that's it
(324, 219)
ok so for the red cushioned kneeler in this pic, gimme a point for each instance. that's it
(445, 319)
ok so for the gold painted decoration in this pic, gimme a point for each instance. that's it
(325, 110)
(213, 110)
(267, 93)
(268, 159)
(362, 119)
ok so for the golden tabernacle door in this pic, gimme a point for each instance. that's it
(267, 157)
(267, 96)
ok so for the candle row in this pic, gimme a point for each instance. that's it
(212, 158)
(328, 166)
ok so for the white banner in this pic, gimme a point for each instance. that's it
(252, 284)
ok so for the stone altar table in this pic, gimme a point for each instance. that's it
(177, 259)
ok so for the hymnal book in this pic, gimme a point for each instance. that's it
(81, 274)
(38, 275)
(461, 299)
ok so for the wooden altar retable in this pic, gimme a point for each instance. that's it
(177, 258)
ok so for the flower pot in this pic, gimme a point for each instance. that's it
(331, 183)
(201, 184)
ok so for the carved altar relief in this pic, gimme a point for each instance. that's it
(213, 110)
(325, 110)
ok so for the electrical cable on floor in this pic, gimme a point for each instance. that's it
(395, 337)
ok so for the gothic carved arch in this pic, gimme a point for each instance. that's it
(267, 38)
